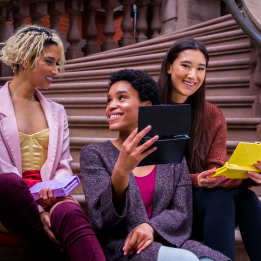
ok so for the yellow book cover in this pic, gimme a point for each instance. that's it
(241, 161)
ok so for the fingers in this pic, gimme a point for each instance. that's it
(50, 234)
(42, 196)
(51, 197)
(139, 239)
(45, 218)
(129, 243)
(140, 135)
(147, 152)
(46, 197)
(255, 177)
(206, 181)
(206, 173)
(258, 166)
(132, 135)
(143, 245)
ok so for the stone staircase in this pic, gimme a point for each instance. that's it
(83, 87)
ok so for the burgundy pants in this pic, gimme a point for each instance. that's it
(19, 214)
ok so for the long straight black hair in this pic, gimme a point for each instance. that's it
(196, 148)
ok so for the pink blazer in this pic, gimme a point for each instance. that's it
(57, 164)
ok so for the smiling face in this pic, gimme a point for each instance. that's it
(42, 75)
(187, 72)
(123, 107)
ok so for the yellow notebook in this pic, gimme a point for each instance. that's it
(241, 161)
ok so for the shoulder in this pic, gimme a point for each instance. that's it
(95, 150)
(213, 114)
(212, 110)
(98, 155)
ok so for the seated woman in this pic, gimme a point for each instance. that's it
(138, 213)
(34, 147)
(220, 204)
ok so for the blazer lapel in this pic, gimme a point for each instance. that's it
(53, 124)
(9, 128)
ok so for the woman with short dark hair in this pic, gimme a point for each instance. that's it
(138, 213)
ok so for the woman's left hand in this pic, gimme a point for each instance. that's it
(46, 197)
(254, 175)
(45, 218)
(139, 239)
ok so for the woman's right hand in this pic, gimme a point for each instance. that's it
(132, 153)
(130, 156)
(204, 179)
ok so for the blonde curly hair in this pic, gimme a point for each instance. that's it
(26, 46)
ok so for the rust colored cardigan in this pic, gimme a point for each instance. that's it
(216, 154)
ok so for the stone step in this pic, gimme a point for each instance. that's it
(221, 53)
(209, 38)
(206, 28)
(97, 126)
(232, 106)
(234, 86)
(226, 68)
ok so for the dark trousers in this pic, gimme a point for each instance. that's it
(218, 211)
(19, 214)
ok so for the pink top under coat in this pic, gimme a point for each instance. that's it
(146, 186)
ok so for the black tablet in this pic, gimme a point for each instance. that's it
(172, 124)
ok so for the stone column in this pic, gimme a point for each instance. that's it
(19, 14)
(55, 8)
(90, 7)
(4, 69)
(126, 25)
(155, 25)
(142, 25)
(73, 36)
(37, 12)
(109, 28)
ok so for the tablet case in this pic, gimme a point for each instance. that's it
(60, 187)
(241, 161)
(172, 124)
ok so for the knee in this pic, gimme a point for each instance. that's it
(245, 197)
(11, 184)
(215, 197)
(170, 253)
(189, 256)
(68, 209)
(68, 212)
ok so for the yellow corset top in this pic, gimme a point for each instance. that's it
(34, 149)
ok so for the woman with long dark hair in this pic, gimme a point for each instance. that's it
(220, 204)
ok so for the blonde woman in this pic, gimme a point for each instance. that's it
(34, 147)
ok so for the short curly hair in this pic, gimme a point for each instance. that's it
(27, 44)
(145, 86)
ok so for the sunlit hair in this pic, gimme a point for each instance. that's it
(196, 148)
(26, 46)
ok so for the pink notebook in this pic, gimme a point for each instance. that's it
(60, 187)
